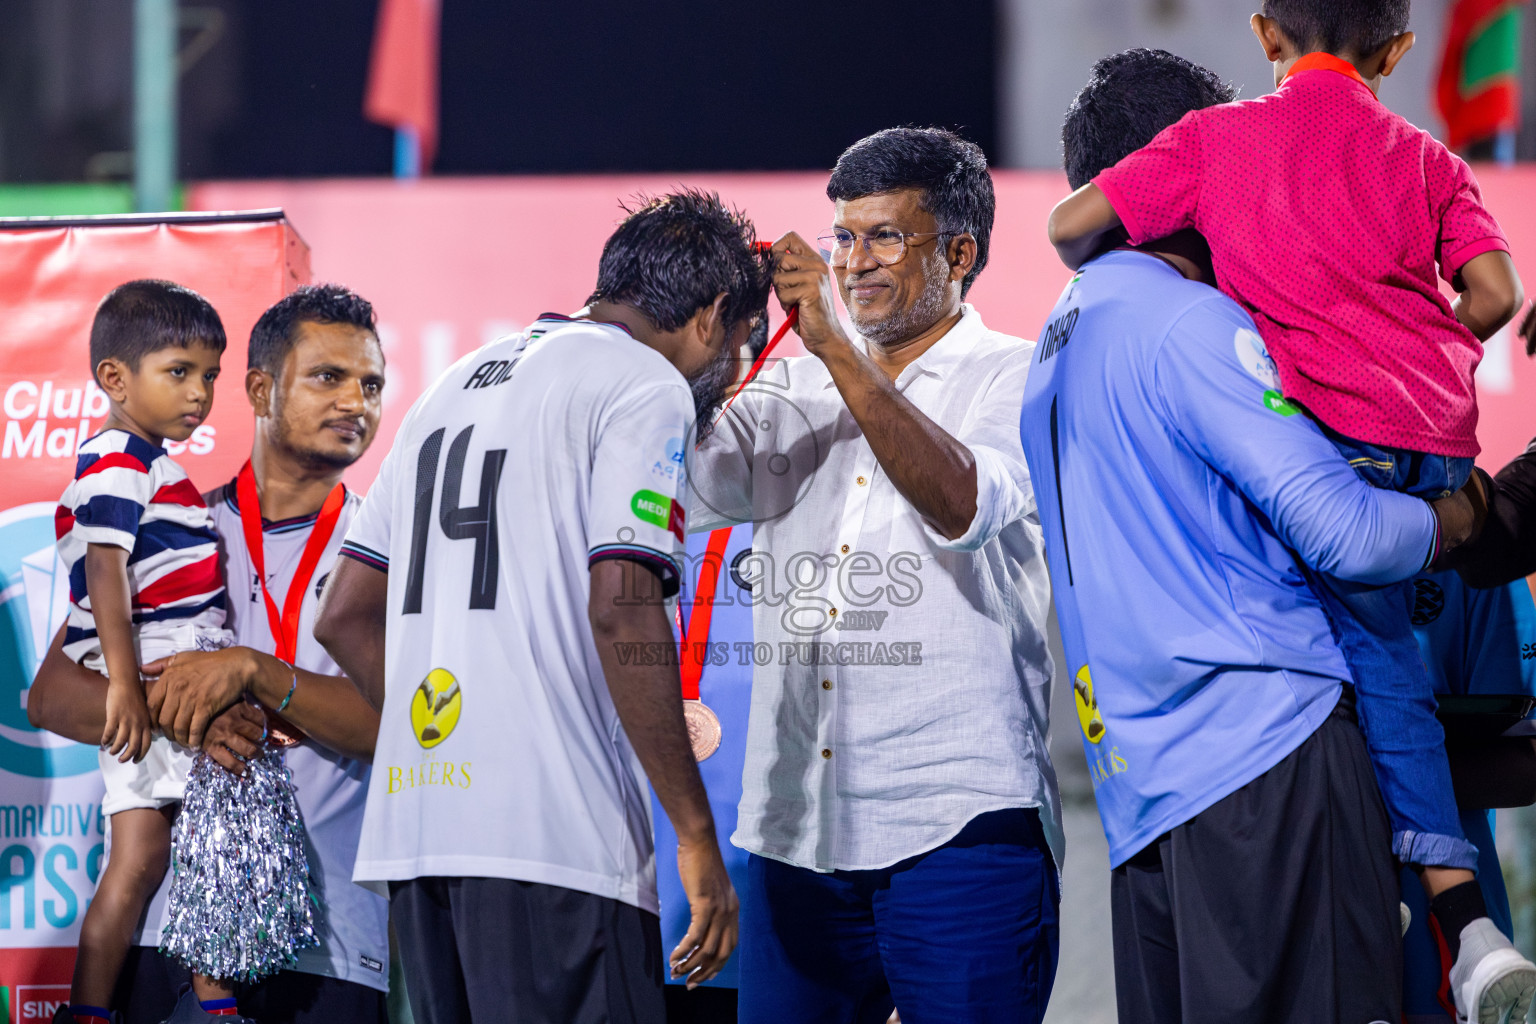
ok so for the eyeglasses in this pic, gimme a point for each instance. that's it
(885, 246)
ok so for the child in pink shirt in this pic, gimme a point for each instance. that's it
(1327, 216)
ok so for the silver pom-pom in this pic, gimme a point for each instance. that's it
(241, 906)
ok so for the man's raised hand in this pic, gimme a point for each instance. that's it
(803, 280)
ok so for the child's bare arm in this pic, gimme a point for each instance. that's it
(1079, 223)
(1492, 296)
(128, 724)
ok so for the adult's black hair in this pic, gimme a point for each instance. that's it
(673, 254)
(1348, 28)
(144, 316)
(274, 334)
(950, 173)
(1129, 98)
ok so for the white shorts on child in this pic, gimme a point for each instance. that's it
(161, 778)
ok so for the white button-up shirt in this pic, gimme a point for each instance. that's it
(902, 680)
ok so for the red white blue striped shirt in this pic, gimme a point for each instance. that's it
(130, 494)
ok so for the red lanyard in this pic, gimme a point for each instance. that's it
(693, 656)
(285, 627)
(778, 336)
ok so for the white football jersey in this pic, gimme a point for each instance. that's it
(331, 789)
(500, 753)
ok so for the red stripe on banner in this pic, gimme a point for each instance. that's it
(182, 492)
(201, 577)
(116, 460)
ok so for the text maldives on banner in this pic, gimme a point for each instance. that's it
(53, 273)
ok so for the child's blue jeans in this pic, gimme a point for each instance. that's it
(1396, 701)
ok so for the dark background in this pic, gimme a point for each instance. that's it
(527, 87)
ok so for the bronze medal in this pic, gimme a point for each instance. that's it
(280, 731)
(703, 729)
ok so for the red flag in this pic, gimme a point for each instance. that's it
(1478, 91)
(402, 75)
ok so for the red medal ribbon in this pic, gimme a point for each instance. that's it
(692, 656)
(695, 654)
(285, 626)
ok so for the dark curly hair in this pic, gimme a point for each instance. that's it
(950, 172)
(673, 254)
(274, 334)
(1129, 98)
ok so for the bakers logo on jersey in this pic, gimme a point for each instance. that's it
(1087, 706)
(435, 708)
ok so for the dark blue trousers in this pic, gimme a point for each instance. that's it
(965, 932)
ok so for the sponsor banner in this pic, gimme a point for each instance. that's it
(52, 833)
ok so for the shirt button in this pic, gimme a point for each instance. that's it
(861, 481)
(825, 753)
(833, 613)
(826, 684)
(844, 549)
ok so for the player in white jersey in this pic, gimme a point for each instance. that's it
(503, 605)
(315, 380)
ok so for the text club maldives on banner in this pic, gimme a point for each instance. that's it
(52, 275)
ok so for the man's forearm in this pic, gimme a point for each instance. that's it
(928, 466)
(1506, 550)
(648, 698)
(68, 699)
(330, 709)
(350, 625)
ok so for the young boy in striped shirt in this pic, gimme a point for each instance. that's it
(144, 583)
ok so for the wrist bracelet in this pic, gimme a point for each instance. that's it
(291, 687)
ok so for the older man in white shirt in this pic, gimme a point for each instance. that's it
(898, 798)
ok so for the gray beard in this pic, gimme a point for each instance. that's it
(915, 319)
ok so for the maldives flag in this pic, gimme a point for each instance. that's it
(1478, 91)
(402, 75)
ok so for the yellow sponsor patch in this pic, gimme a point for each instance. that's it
(435, 708)
(1087, 706)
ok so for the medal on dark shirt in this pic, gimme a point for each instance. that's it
(284, 625)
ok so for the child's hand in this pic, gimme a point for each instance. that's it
(127, 734)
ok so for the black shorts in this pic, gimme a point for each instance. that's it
(1276, 905)
(150, 981)
(493, 950)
